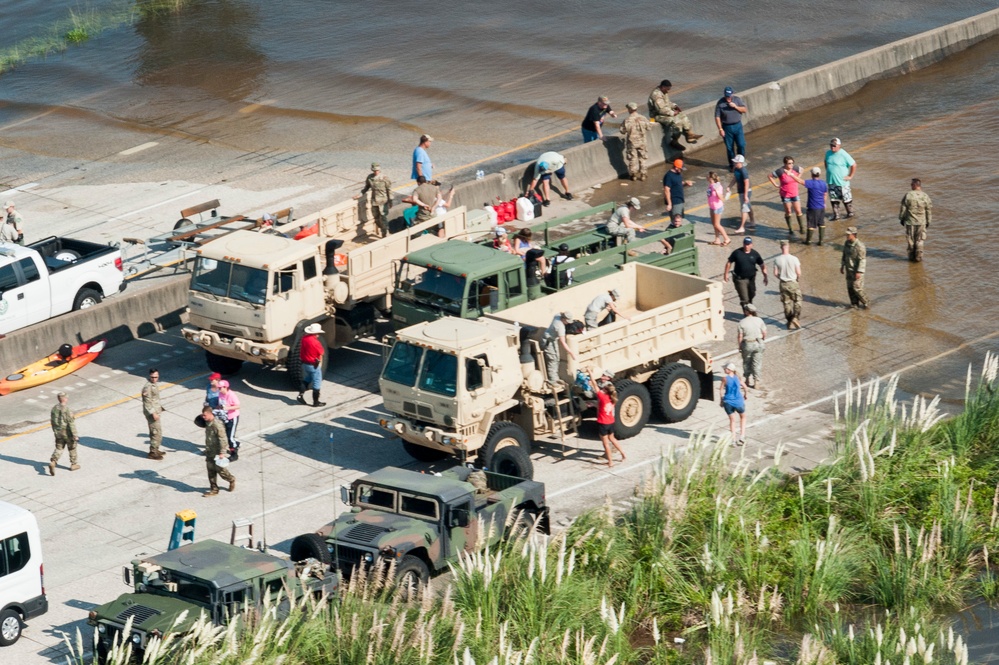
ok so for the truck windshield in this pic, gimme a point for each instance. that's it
(230, 280)
(431, 286)
(403, 364)
(440, 373)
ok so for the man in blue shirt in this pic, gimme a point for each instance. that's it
(673, 184)
(728, 118)
(816, 212)
(422, 166)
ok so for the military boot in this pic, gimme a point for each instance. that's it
(822, 233)
(676, 145)
(691, 136)
(315, 399)
(808, 237)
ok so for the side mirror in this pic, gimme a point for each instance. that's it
(459, 518)
(126, 575)
(346, 495)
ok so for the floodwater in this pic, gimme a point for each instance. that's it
(355, 83)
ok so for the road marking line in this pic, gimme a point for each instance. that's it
(139, 148)
(18, 190)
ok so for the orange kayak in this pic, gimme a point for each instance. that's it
(63, 362)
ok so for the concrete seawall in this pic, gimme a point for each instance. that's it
(121, 318)
(140, 313)
(768, 103)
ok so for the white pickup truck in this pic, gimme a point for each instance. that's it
(54, 276)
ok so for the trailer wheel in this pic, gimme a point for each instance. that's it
(86, 298)
(422, 453)
(310, 545)
(631, 412)
(181, 223)
(675, 389)
(506, 451)
(224, 365)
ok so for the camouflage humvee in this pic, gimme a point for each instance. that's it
(423, 521)
(207, 577)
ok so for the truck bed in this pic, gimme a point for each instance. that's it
(51, 247)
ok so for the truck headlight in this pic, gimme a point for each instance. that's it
(368, 558)
(136, 638)
(101, 628)
(255, 351)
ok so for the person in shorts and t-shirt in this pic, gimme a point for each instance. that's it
(840, 169)
(816, 212)
(786, 179)
(740, 180)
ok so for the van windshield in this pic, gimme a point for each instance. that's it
(229, 280)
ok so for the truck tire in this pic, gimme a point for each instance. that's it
(67, 255)
(506, 451)
(294, 363)
(224, 365)
(411, 572)
(675, 389)
(422, 453)
(310, 545)
(10, 627)
(631, 413)
(86, 298)
(523, 525)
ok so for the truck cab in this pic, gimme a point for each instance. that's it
(207, 578)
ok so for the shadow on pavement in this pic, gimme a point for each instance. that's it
(154, 477)
(346, 441)
(41, 466)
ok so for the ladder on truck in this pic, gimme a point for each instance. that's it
(563, 422)
(197, 225)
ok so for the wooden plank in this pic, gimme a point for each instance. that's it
(200, 208)
(181, 237)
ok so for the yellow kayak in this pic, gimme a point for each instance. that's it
(63, 362)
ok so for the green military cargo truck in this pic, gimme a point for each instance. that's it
(422, 522)
(207, 577)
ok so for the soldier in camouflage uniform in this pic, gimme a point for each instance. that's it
(671, 117)
(215, 445)
(854, 265)
(64, 429)
(13, 224)
(915, 215)
(381, 197)
(634, 129)
(152, 409)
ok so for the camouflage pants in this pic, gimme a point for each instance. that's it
(674, 125)
(380, 211)
(552, 359)
(215, 470)
(855, 287)
(61, 444)
(915, 235)
(752, 360)
(636, 155)
(790, 298)
(155, 432)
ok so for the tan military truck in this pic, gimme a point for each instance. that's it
(252, 294)
(477, 389)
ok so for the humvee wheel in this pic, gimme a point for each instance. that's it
(632, 409)
(506, 451)
(675, 389)
(411, 575)
(310, 545)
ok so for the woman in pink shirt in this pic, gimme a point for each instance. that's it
(786, 179)
(716, 204)
(230, 403)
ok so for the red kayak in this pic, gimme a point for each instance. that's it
(63, 362)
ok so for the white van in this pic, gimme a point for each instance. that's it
(22, 576)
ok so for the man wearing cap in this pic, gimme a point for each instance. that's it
(840, 168)
(12, 229)
(728, 119)
(381, 197)
(816, 210)
(559, 278)
(592, 130)
(787, 269)
(915, 215)
(854, 265)
(673, 184)
(740, 179)
(553, 341)
(548, 164)
(605, 302)
(752, 333)
(743, 263)
(635, 130)
(424, 197)
(64, 429)
(214, 439)
(311, 352)
(671, 117)
(620, 224)
(422, 166)
(153, 410)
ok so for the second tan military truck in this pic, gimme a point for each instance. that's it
(253, 293)
(478, 390)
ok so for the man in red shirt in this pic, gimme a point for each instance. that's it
(311, 353)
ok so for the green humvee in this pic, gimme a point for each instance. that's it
(423, 521)
(209, 577)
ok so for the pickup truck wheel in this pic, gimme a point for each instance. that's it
(675, 389)
(86, 298)
(411, 575)
(310, 546)
(224, 365)
(506, 451)
(632, 409)
(10, 627)
(422, 453)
